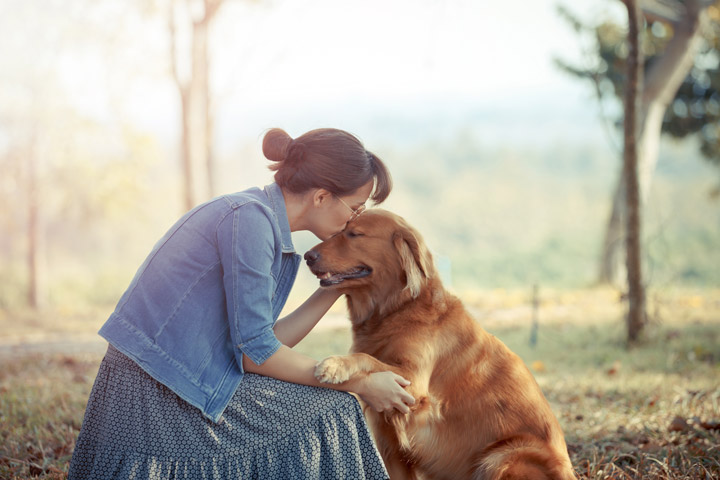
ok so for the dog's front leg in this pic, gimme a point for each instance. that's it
(341, 368)
(400, 470)
(397, 463)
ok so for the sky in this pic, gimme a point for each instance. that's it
(390, 71)
(381, 48)
(364, 65)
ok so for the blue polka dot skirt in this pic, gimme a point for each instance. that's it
(137, 428)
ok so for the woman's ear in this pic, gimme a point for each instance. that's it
(321, 197)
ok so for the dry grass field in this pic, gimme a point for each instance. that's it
(649, 412)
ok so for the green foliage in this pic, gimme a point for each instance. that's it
(695, 110)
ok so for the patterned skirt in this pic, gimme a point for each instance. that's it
(136, 428)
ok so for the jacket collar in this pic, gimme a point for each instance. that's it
(277, 203)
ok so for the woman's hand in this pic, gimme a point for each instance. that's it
(384, 391)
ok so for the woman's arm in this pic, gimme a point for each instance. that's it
(293, 327)
(383, 391)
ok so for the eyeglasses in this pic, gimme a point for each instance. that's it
(355, 211)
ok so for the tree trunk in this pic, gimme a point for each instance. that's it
(612, 258)
(201, 78)
(209, 150)
(203, 72)
(35, 293)
(185, 153)
(636, 292)
(185, 106)
(659, 89)
(200, 120)
(197, 123)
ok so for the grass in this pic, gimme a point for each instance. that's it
(42, 400)
(649, 412)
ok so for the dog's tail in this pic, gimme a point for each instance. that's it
(523, 458)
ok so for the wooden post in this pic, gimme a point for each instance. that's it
(534, 325)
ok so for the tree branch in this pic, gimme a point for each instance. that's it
(211, 8)
(173, 48)
(669, 11)
(666, 75)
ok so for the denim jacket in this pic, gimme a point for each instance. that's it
(211, 289)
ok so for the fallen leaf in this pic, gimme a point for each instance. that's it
(615, 368)
(651, 447)
(711, 425)
(538, 366)
(678, 424)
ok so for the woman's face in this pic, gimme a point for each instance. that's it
(331, 213)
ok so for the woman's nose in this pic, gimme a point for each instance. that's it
(311, 256)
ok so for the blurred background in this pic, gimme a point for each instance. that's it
(499, 121)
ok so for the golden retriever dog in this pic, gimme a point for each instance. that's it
(479, 413)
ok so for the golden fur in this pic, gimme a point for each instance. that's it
(479, 414)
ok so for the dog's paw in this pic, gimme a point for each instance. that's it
(332, 370)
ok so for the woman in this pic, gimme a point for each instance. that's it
(200, 380)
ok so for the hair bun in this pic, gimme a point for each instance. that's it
(276, 144)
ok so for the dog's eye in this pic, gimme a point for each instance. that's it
(353, 234)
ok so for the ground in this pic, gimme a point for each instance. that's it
(652, 411)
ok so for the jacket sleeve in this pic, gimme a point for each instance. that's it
(246, 245)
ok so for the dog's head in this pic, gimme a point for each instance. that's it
(378, 252)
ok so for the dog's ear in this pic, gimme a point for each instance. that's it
(414, 259)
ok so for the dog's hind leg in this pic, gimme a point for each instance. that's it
(524, 472)
(523, 459)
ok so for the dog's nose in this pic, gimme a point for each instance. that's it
(311, 256)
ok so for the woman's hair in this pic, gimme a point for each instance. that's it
(325, 158)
